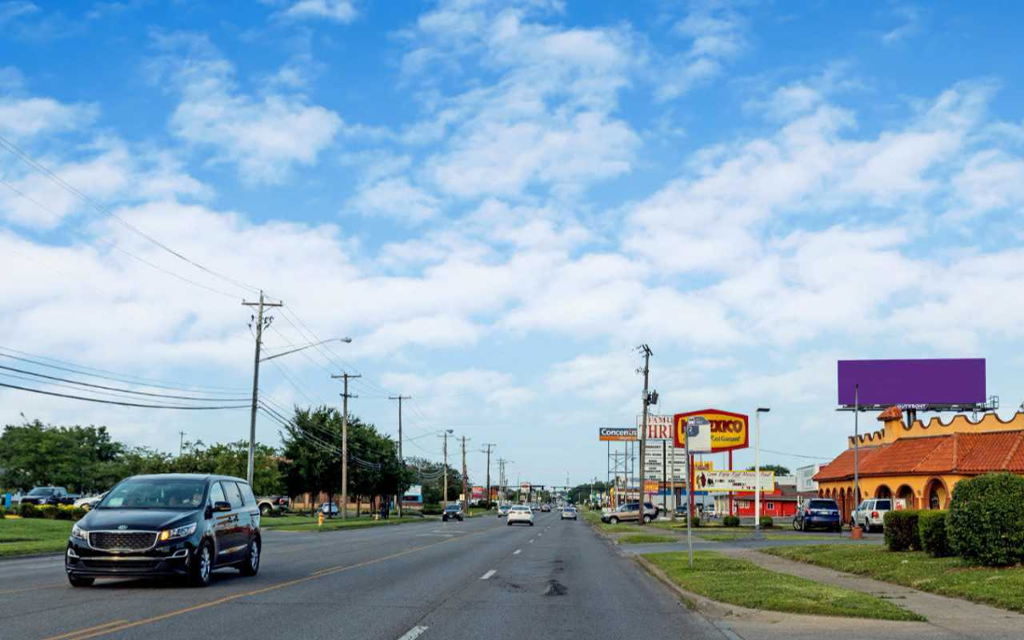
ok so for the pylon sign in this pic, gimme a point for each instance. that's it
(726, 430)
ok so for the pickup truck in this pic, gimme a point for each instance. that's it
(271, 505)
(48, 495)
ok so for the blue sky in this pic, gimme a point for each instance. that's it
(499, 200)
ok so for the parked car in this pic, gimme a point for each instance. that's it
(818, 512)
(89, 502)
(503, 510)
(871, 514)
(327, 508)
(569, 513)
(167, 525)
(682, 509)
(631, 513)
(271, 505)
(545, 508)
(48, 495)
(520, 513)
(452, 512)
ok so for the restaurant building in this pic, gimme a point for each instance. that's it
(918, 466)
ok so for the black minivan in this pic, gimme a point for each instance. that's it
(167, 525)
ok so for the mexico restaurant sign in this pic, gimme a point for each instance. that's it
(728, 430)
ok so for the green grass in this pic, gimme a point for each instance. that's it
(645, 538)
(724, 536)
(27, 536)
(744, 584)
(1003, 588)
(308, 523)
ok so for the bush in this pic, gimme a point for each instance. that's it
(931, 525)
(432, 509)
(900, 528)
(28, 510)
(767, 522)
(731, 521)
(3, 512)
(986, 519)
(695, 521)
(48, 511)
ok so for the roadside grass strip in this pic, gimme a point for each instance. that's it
(307, 523)
(646, 538)
(954, 577)
(28, 536)
(721, 536)
(743, 583)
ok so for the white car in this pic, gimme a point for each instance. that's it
(871, 514)
(569, 513)
(520, 513)
(90, 502)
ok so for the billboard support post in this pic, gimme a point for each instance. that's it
(672, 484)
(730, 493)
(856, 447)
(689, 494)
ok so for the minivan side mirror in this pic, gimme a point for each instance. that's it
(220, 506)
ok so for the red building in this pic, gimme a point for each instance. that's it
(780, 503)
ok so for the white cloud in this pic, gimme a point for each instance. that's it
(266, 135)
(22, 118)
(912, 22)
(341, 11)
(397, 198)
(716, 35)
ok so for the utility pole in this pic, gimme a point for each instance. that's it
(344, 441)
(181, 443)
(399, 397)
(444, 495)
(260, 323)
(489, 445)
(646, 350)
(465, 492)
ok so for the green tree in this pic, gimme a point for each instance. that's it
(777, 468)
(232, 459)
(79, 458)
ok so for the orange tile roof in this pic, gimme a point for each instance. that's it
(966, 453)
(892, 413)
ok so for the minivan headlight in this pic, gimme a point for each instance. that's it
(177, 532)
(79, 533)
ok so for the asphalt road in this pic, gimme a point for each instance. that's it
(472, 579)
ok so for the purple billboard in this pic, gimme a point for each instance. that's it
(955, 381)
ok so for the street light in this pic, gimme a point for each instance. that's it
(757, 469)
(444, 496)
(250, 467)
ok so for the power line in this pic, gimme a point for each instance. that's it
(127, 391)
(794, 455)
(123, 404)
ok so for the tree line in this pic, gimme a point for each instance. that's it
(86, 459)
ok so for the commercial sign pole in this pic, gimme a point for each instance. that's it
(672, 483)
(757, 471)
(643, 433)
(689, 492)
(856, 446)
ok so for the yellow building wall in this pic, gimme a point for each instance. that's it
(893, 430)
(916, 490)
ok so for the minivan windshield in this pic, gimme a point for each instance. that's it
(154, 493)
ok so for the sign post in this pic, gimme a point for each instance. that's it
(689, 492)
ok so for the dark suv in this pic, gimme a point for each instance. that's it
(818, 512)
(167, 525)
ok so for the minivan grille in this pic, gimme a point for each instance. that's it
(122, 541)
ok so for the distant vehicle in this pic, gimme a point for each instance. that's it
(503, 510)
(452, 512)
(48, 495)
(520, 513)
(167, 525)
(682, 510)
(569, 513)
(89, 502)
(327, 508)
(270, 505)
(630, 513)
(818, 512)
(871, 514)
(710, 511)
(545, 508)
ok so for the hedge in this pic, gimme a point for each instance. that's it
(931, 525)
(986, 519)
(731, 521)
(900, 528)
(695, 521)
(52, 511)
(767, 522)
(432, 509)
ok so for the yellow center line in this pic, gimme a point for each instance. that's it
(48, 586)
(95, 632)
(70, 634)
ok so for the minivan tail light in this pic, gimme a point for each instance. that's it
(874, 514)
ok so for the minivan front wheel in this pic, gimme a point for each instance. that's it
(77, 581)
(251, 565)
(202, 566)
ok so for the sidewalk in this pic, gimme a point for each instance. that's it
(958, 617)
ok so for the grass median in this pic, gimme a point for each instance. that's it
(28, 536)
(743, 583)
(724, 536)
(309, 523)
(955, 577)
(646, 538)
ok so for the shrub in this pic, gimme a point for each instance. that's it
(767, 522)
(931, 525)
(900, 528)
(3, 512)
(77, 513)
(432, 509)
(986, 519)
(731, 521)
(695, 521)
(49, 511)
(28, 510)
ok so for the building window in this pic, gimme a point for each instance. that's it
(771, 506)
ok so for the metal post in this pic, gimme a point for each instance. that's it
(672, 481)
(856, 446)
(689, 491)
(757, 474)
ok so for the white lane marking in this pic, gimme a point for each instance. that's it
(539, 534)
(413, 633)
(517, 552)
(488, 574)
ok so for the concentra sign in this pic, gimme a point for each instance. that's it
(728, 430)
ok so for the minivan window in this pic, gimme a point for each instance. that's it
(231, 491)
(247, 496)
(155, 493)
(216, 493)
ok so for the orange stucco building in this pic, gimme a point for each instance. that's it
(919, 465)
